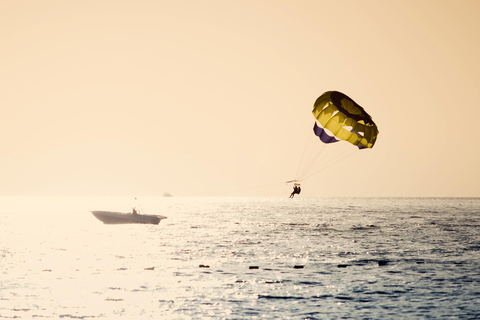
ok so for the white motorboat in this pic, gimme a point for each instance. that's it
(110, 217)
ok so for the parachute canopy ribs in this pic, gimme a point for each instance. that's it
(345, 119)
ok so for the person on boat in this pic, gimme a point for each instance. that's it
(296, 190)
(134, 211)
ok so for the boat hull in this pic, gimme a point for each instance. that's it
(109, 217)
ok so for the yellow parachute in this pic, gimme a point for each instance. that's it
(338, 118)
(345, 119)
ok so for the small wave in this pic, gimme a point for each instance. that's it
(74, 317)
(269, 297)
(309, 283)
(366, 227)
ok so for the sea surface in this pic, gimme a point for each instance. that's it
(241, 258)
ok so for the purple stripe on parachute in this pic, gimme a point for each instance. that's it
(320, 132)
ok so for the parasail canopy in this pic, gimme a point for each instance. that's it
(341, 118)
(338, 119)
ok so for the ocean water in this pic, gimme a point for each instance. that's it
(241, 258)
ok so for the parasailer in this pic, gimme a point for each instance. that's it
(296, 190)
(337, 118)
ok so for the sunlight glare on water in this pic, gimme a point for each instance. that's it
(241, 258)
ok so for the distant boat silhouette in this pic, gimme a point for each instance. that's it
(166, 194)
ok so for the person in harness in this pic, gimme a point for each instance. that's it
(296, 190)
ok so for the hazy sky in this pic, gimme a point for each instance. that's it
(215, 97)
